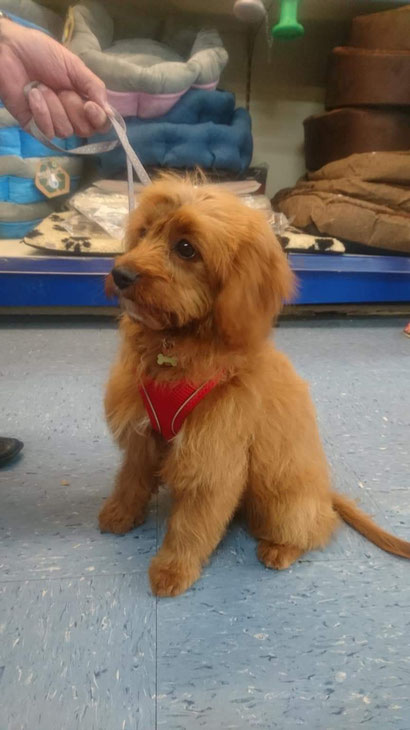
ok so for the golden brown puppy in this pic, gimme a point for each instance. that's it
(201, 281)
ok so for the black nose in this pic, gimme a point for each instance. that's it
(123, 278)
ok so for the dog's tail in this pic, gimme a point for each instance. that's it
(361, 522)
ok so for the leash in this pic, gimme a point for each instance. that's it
(133, 161)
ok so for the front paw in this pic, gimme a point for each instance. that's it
(115, 518)
(171, 576)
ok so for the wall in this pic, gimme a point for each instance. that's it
(288, 80)
(287, 84)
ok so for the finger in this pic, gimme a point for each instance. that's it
(85, 82)
(61, 123)
(74, 107)
(97, 117)
(40, 113)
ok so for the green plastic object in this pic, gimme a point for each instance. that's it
(288, 26)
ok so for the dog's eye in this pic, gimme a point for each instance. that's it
(184, 250)
(142, 232)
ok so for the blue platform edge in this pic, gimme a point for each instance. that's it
(44, 281)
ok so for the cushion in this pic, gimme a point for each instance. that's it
(145, 76)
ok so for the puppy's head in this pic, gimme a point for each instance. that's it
(196, 255)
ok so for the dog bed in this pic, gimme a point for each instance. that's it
(368, 77)
(22, 204)
(145, 77)
(364, 198)
(294, 240)
(389, 29)
(347, 131)
(204, 129)
(16, 219)
(54, 234)
(32, 14)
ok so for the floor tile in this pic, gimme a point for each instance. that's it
(321, 648)
(78, 654)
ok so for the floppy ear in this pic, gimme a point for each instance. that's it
(259, 281)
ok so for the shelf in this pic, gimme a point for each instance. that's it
(50, 281)
(43, 281)
(327, 279)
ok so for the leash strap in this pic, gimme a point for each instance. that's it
(133, 161)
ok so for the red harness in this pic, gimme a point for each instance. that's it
(168, 404)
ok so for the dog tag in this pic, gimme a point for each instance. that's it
(166, 360)
(51, 179)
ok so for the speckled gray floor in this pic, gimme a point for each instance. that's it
(83, 644)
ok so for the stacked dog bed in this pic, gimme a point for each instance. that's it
(203, 129)
(357, 152)
(368, 92)
(164, 83)
(22, 204)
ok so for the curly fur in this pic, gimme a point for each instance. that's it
(253, 442)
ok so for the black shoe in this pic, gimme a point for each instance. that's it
(9, 448)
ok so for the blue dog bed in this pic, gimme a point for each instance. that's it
(203, 130)
(22, 205)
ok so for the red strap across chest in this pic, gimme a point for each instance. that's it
(168, 404)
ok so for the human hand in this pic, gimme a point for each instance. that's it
(69, 99)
